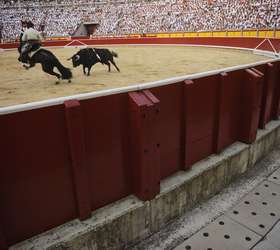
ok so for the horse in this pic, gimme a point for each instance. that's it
(48, 61)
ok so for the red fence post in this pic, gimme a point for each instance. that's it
(218, 146)
(154, 142)
(188, 86)
(200, 118)
(275, 112)
(3, 243)
(77, 149)
(251, 105)
(268, 93)
(144, 144)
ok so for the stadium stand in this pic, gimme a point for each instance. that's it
(61, 17)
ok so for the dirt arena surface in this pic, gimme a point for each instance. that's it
(138, 64)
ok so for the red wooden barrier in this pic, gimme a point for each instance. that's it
(270, 75)
(251, 105)
(217, 41)
(229, 109)
(201, 111)
(154, 139)
(276, 97)
(242, 42)
(188, 84)
(75, 128)
(144, 144)
(64, 161)
(223, 113)
(105, 122)
(3, 243)
(36, 189)
(171, 128)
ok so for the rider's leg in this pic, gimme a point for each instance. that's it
(25, 57)
(24, 52)
(35, 46)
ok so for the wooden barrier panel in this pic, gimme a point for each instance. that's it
(188, 84)
(201, 110)
(76, 139)
(3, 243)
(250, 105)
(171, 128)
(276, 97)
(36, 188)
(221, 110)
(192, 38)
(105, 121)
(270, 76)
(144, 144)
(63, 161)
(228, 116)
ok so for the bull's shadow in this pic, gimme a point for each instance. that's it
(90, 56)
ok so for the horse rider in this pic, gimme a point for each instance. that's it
(32, 40)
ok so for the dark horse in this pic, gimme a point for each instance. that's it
(48, 61)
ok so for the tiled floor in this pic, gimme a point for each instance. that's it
(251, 224)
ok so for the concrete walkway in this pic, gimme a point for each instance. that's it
(253, 223)
(246, 215)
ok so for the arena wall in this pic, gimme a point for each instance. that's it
(63, 161)
(261, 33)
(240, 42)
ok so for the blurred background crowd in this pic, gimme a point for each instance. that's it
(61, 17)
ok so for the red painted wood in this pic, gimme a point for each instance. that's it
(218, 41)
(201, 109)
(3, 243)
(251, 105)
(144, 144)
(36, 189)
(270, 76)
(171, 128)
(221, 107)
(188, 84)
(106, 131)
(154, 139)
(230, 108)
(193, 121)
(242, 42)
(275, 112)
(75, 128)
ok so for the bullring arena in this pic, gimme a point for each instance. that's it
(179, 79)
(111, 160)
(138, 64)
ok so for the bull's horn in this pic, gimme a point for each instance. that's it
(69, 58)
(77, 57)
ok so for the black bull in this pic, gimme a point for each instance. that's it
(90, 56)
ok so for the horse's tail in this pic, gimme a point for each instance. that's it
(65, 72)
(114, 54)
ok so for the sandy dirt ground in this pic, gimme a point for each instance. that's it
(138, 64)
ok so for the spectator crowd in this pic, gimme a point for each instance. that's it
(61, 17)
